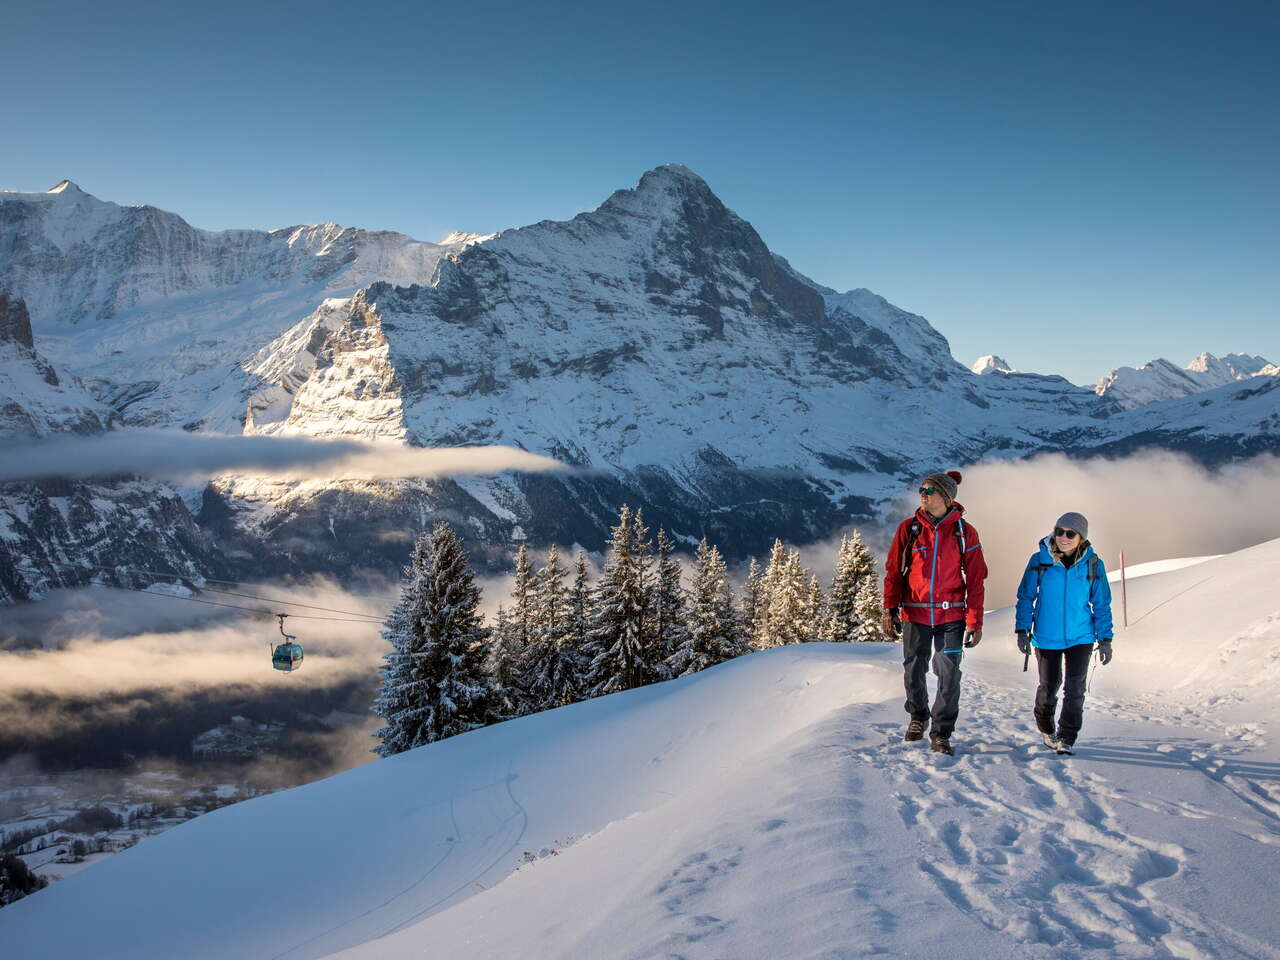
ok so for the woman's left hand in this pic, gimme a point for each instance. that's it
(1104, 651)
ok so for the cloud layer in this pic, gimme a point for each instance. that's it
(193, 457)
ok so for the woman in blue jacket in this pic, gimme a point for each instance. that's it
(1064, 607)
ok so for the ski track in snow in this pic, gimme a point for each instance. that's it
(1056, 871)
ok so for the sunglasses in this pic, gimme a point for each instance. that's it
(928, 491)
(1062, 532)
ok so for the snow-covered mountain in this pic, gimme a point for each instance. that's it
(991, 364)
(1132, 387)
(656, 342)
(765, 808)
(157, 315)
(62, 533)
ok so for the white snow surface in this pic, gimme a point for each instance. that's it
(766, 808)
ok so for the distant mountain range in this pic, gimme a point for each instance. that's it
(656, 342)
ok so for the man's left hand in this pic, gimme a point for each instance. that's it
(973, 638)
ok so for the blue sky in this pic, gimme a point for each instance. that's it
(1072, 186)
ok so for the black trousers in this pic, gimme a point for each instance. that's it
(942, 645)
(1050, 663)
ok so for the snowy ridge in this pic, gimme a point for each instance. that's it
(161, 314)
(1161, 380)
(766, 808)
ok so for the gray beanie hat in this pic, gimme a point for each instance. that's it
(948, 481)
(1074, 521)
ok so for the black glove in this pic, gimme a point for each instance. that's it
(1104, 651)
(1024, 642)
(973, 638)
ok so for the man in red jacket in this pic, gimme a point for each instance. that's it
(933, 584)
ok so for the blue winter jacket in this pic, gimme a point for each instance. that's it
(1059, 606)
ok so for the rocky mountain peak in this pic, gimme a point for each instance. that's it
(67, 187)
(15, 322)
(991, 364)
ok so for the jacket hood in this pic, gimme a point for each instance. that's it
(951, 516)
(1047, 556)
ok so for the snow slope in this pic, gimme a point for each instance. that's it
(766, 808)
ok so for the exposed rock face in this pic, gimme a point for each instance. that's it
(60, 533)
(15, 322)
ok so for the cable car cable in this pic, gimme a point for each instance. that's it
(231, 593)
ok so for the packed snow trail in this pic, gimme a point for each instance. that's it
(767, 808)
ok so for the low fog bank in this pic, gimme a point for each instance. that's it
(1153, 505)
(109, 676)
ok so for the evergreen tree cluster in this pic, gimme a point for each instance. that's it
(561, 639)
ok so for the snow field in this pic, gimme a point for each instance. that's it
(767, 808)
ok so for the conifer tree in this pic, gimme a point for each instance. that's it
(581, 611)
(753, 604)
(785, 595)
(522, 588)
(870, 605)
(505, 663)
(855, 608)
(618, 641)
(550, 668)
(715, 632)
(843, 619)
(670, 630)
(767, 620)
(814, 610)
(434, 681)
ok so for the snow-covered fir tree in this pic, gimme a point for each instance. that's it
(753, 603)
(581, 611)
(715, 631)
(855, 603)
(619, 641)
(814, 610)
(784, 598)
(670, 628)
(504, 662)
(434, 680)
(550, 669)
(522, 589)
(843, 619)
(870, 610)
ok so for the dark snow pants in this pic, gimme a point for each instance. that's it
(944, 645)
(1049, 663)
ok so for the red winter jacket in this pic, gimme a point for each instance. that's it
(940, 587)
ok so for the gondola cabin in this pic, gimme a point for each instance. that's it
(287, 656)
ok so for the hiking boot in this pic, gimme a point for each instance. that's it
(941, 745)
(915, 730)
(1066, 746)
(1049, 739)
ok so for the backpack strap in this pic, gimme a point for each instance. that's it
(1093, 569)
(960, 542)
(912, 533)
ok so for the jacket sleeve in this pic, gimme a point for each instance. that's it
(975, 576)
(893, 569)
(1027, 591)
(1100, 603)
